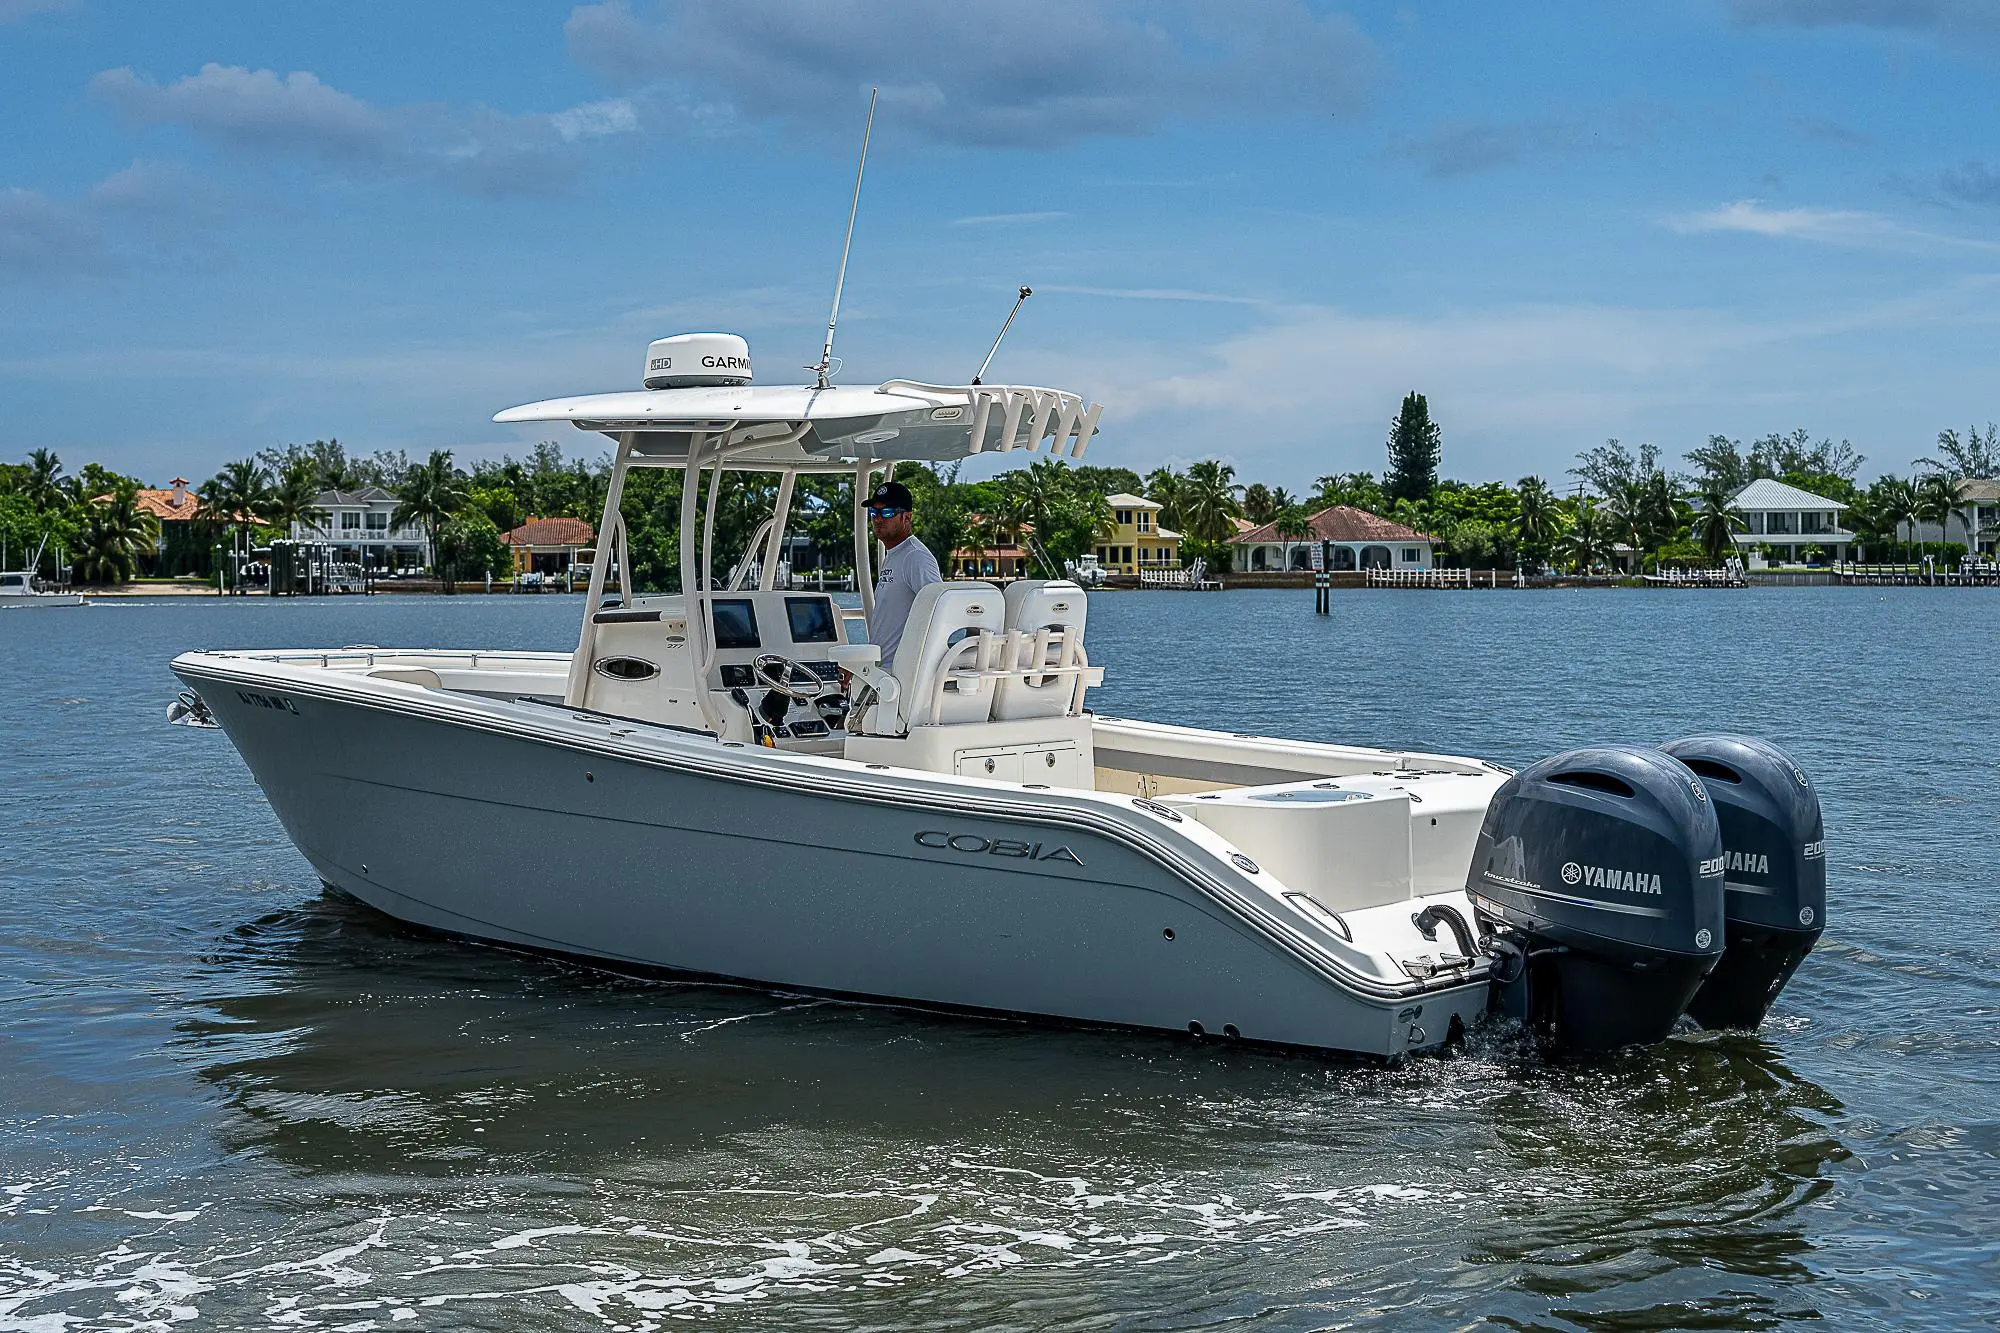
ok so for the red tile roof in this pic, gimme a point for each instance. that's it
(1341, 523)
(160, 504)
(551, 532)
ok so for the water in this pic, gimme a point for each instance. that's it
(228, 1100)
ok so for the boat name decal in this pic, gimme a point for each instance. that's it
(1625, 881)
(273, 701)
(972, 844)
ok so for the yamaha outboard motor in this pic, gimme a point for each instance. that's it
(1600, 870)
(1775, 877)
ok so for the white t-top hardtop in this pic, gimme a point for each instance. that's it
(805, 426)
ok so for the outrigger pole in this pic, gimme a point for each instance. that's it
(1026, 292)
(826, 351)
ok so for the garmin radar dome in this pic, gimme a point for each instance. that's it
(697, 361)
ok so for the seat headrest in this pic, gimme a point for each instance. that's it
(1034, 600)
(956, 594)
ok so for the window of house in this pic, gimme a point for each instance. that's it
(378, 520)
(1125, 556)
(1124, 517)
(1102, 557)
(1145, 520)
(1781, 523)
(1412, 554)
(350, 521)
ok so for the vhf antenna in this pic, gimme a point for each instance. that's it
(1026, 292)
(826, 352)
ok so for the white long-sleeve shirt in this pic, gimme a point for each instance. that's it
(906, 567)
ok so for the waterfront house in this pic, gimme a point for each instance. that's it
(1789, 521)
(989, 562)
(1137, 541)
(551, 546)
(1975, 524)
(180, 548)
(358, 525)
(1361, 540)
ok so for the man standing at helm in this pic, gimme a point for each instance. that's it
(907, 565)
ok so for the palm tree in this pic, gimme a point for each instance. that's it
(1897, 506)
(1663, 509)
(1626, 513)
(1539, 520)
(1937, 501)
(1167, 488)
(1210, 500)
(1588, 541)
(1259, 506)
(1042, 493)
(45, 486)
(432, 492)
(237, 496)
(292, 501)
(1292, 523)
(115, 532)
(1717, 522)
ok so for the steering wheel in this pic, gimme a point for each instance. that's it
(788, 677)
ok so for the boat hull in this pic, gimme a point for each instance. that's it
(41, 601)
(476, 825)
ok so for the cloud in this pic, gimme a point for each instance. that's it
(1947, 20)
(1029, 74)
(151, 192)
(1154, 294)
(156, 207)
(1973, 183)
(1005, 219)
(254, 109)
(1463, 147)
(596, 120)
(1826, 226)
(14, 11)
(298, 116)
(1828, 131)
(42, 237)
(1514, 386)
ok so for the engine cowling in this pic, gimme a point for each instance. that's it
(1774, 885)
(1602, 869)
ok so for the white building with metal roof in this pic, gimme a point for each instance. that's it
(1790, 522)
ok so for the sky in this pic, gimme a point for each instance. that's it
(1251, 226)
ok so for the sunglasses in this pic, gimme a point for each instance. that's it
(885, 512)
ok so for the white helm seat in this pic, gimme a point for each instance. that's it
(950, 647)
(1046, 620)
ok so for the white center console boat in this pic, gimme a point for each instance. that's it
(694, 790)
(18, 592)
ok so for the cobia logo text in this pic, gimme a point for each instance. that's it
(972, 844)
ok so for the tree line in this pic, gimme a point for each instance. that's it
(1617, 497)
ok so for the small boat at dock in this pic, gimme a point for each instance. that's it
(19, 593)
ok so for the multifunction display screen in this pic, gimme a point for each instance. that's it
(736, 625)
(812, 620)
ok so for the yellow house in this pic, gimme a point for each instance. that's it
(1139, 542)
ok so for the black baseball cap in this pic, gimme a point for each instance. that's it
(892, 495)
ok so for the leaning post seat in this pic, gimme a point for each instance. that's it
(1045, 620)
(949, 649)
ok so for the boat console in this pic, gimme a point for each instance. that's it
(765, 643)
